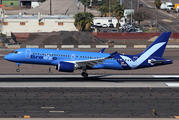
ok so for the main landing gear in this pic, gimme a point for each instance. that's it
(18, 69)
(84, 73)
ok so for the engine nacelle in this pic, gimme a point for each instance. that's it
(66, 67)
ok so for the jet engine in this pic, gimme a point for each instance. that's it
(66, 67)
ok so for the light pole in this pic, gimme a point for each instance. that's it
(50, 8)
(109, 9)
(131, 12)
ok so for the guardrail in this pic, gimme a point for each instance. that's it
(88, 46)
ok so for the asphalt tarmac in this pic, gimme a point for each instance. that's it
(70, 102)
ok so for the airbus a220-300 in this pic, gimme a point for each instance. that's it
(68, 61)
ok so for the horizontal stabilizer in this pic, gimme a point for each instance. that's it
(160, 61)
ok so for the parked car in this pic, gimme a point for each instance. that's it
(137, 30)
(93, 26)
(131, 30)
(117, 24)
(105, 31)
(111, 25)
(98, 24)
(140, 5)
(125, 26)
(113, 31)
(105, 25)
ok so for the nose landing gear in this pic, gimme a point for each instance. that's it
(18, 69)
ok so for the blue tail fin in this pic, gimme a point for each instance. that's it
(157, 48)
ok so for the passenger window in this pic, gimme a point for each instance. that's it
(68, 55)
(76, 56)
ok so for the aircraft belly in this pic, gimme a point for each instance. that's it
(112, 65)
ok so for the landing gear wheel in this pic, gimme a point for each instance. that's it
(84, 74)
(17, 70)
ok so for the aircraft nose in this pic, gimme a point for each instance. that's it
(7, 57)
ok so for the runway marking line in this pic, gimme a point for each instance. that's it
(47, 107)
(56, 111)
(26, 116)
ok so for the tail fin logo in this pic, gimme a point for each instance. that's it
(144, 56)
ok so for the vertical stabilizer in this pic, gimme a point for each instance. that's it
(156, 49)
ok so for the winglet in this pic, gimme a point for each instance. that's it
(112, 55)
(101, 51)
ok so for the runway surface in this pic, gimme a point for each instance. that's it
(97, 81)
(137, 100)
(89, 102)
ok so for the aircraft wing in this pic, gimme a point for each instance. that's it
(91, 62)
(88, 62)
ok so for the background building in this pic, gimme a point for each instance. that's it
(36, 23)
(18, 3)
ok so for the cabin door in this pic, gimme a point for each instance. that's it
(27, 55)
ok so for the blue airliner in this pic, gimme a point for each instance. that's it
(68, 61)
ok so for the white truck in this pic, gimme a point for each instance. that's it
(177, 9)
(167, 6)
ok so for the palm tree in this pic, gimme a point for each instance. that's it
(118, 12)
(158, 3)
(85, 3)
(83, 21)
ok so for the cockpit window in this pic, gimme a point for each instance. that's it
(15, 52)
